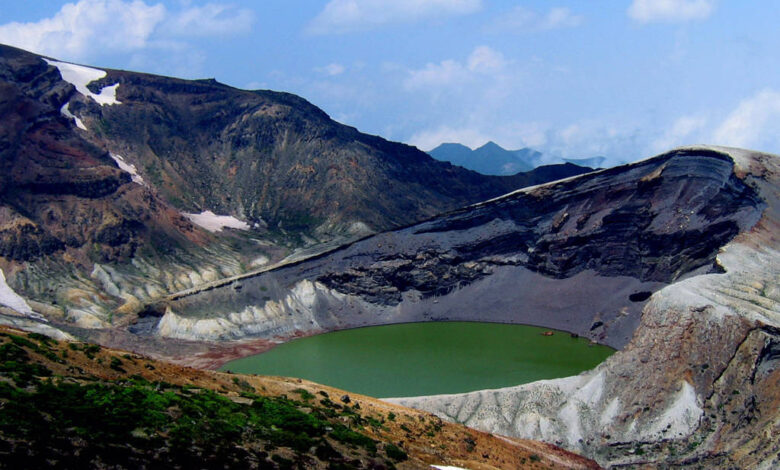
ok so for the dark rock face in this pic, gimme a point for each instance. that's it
(632, 229)
(612, 223)
(27, 243)
(628, 227)
(266, 157)
(57, 190)
(273, 157)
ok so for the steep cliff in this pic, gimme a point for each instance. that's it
(696, 385)
(265, 157)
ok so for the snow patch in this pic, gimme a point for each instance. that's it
(66, 112)
(447, 467)
(215, 223)
(79, 76)
(127, 167)
(12, 300)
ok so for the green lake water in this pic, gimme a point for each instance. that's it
(427, 358)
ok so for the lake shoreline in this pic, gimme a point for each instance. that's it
(430, 342)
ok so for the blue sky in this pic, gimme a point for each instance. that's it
(621, 78)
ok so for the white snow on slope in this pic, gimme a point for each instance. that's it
(66, 112)
(215, 223)
(128, 167)
(447, 467)
(79, 76)
(11, 299)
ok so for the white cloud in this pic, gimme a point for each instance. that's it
(521, 19)
(212, 19)
(482, 60)
(79, 28)
(341, 16)
(619, 142)
(755, 123)
(486, 60)
(93, 28)
(646, 11)
(685, 130)
(331, 70)
(447, 72)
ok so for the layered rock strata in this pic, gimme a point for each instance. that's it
(696, 385)
(582, 255)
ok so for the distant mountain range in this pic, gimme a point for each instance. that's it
(492, 159)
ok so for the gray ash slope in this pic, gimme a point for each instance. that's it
(698, 385)
(582, 254)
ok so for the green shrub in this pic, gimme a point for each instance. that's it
(343, 434)
(395, 453)
(116, 364)
(305, 394)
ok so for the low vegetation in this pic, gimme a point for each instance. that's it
(74, 422)
(77, 405)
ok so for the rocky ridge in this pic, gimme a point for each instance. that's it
(115, 186)
(696, 385)
(91, 232)
(630, 230)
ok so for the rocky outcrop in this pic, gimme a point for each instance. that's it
(545, 255)
(696, 385)
(673, 259)
(60, 193)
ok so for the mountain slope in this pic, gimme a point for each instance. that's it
(629, 230)
(77, 405)
(261, 156)
(108, 179)
(698, 382)
(673, 260)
